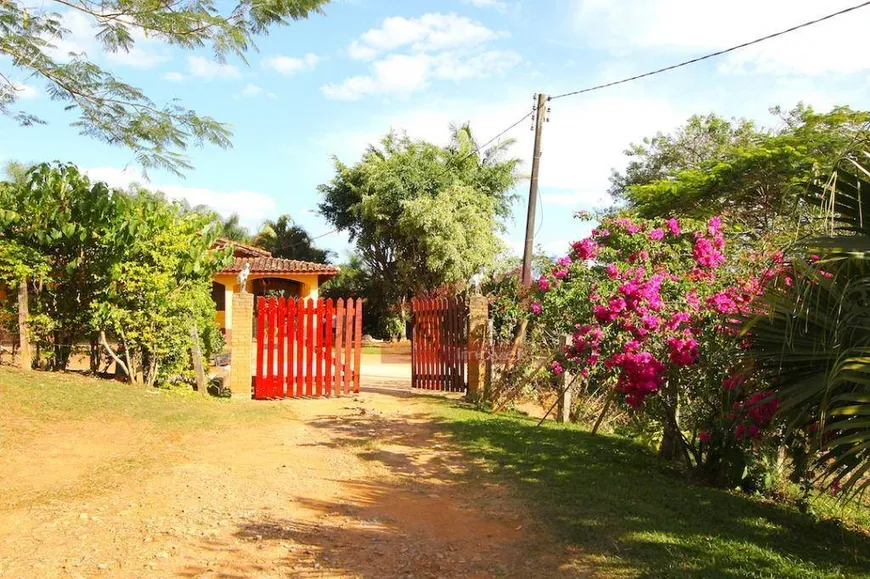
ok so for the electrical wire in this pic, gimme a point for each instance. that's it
(713, 54)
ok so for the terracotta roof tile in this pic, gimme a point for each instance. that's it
(279, 265)
(250, 250)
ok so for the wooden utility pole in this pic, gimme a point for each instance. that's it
(540, 115)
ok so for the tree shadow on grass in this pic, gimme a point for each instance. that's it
(630, 513)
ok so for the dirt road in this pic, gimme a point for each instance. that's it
(356, 487)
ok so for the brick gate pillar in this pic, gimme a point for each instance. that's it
(241, 349)
(478, 312)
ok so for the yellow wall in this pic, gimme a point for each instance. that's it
(310, 289)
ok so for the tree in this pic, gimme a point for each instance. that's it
(109, 109)
(79, 230)
(232, 229)
(753, 177)
(283, 238)
(813, 342)
(422, 216)
(160, 286)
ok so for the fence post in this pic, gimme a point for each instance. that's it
(478, 311)
(241, 367)
(563, 413)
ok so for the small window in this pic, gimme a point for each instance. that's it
(218, 296)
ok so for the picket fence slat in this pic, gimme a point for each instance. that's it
(308, 347)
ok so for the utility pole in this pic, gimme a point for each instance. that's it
(540, 116)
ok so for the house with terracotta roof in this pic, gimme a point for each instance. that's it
(268, 276)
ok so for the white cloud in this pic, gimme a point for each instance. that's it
(207, 69)
(291, 64)
(24, 91)
(253, 91)
(690, 26)
(408, 54)
(430, 32)
(173, 77)
(251, 206)
(404, 74)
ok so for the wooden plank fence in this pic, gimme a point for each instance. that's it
(307, 348)
(439, 344)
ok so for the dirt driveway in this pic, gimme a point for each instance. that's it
(357, 487)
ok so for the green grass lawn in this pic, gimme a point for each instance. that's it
(630, 515)
(32, 399)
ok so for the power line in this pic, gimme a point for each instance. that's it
(714, 54)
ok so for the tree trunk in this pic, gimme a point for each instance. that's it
(670, 447)
(95, 355)
(404, 315)
(196, 358)
(24, 352)
(118, 362)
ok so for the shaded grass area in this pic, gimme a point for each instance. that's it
(630, 515)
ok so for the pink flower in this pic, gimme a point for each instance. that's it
(722, 302)
(556, 367)
(683, 352)
(705, 436)
(706, 254)
(585, 249)
(740, 430)
(612, 270)
(564, 261)
(657, 234)
(560, 273)
(536, 308)
(714, 226)
(673, 226)
(543, 284)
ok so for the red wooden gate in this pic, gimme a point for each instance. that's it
(438, 344)
(307, 347)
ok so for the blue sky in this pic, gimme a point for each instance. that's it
(332, 84)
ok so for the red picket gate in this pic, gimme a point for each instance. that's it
(438, 344)
(307, 348)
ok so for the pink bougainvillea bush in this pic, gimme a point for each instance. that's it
(651, 309)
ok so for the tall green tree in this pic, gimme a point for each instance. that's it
(422, 216)
(753, 176)
(160, 286)
(110, 109)
(79, 230)
(283, 238)
(231, 228)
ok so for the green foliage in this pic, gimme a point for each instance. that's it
(752, 177)
(109, 109)
(18, 262)
(98, 260)
(422, 216)
(283, 238)
(77, 229)
(814, 341)
(232, 229)
(160, 286)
